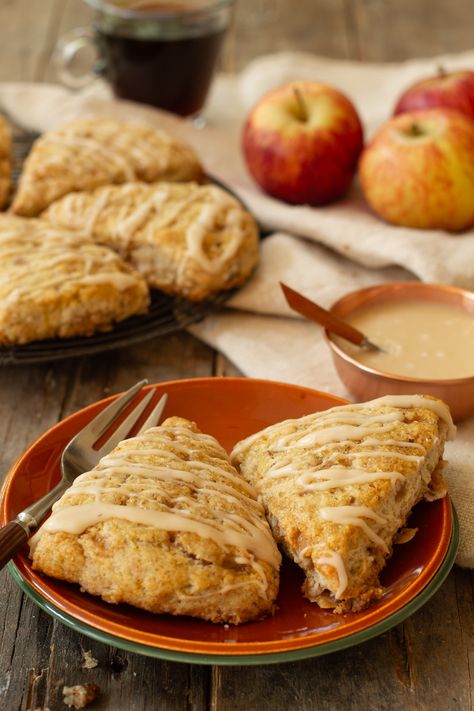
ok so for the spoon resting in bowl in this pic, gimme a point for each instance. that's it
(316, 313)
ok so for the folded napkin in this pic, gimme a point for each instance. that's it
(322, 252)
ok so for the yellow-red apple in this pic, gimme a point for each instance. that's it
(302, 142)
(449, 90)
(419, 170)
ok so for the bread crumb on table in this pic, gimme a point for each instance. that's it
(88, 661)
(80, 695)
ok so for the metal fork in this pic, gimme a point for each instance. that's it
(79, 456)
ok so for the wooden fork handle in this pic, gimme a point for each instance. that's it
(12, 537)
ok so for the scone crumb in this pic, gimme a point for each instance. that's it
(88, 661)
(80, 695)
(405, 534)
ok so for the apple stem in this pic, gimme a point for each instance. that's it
(416, 130)
(442, 71)
(302, 110)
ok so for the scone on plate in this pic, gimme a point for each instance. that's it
(57, 283)
(165, 523)
(186, 239)
(5, 161)
(338, 485)
(85, 153)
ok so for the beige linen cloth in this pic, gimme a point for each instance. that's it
(322, 252)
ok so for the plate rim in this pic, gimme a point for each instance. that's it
(294, 655)
(171, 644)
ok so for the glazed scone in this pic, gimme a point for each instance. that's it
(57, 283)
(186, 239)
(165, 523)
(5, 161)
(338, 485)
(86, 153)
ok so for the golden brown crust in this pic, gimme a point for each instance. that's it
(186, 239)
(5, 161)
(57, 283)
(307, 515)
(165, 570)
(86, 153)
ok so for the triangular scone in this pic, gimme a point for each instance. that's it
(165, 523)
(86, 153)
(5, 161)
(57, 283)
(337, 486)
(186, 239)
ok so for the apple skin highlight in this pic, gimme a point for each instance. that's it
(454, 90)
(419, 171)
(302, 142)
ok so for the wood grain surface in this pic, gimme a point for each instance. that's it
(425, 664)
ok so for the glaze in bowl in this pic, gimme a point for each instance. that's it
(366, 383)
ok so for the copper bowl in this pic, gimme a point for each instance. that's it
(367, 383)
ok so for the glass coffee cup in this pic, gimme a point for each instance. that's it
(154, 52)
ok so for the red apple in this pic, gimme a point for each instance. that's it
(453, 90)
(302, 142)
(419, 170)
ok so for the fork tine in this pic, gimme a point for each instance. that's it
(124, 428)
(104, 419)
(154, 416)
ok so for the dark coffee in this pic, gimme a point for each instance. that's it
(173, 74)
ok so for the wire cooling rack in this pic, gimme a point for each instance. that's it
(167, 314)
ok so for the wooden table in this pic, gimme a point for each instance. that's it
(425, 663)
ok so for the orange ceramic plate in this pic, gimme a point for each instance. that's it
(230, 409)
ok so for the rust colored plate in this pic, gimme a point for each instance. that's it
(229, 409)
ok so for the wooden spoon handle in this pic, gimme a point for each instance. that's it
(12, 537)
(316, 313)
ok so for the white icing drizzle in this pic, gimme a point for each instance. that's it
(62, 259)
(155, 208)
(206, 488)
(348, 429)
(398, 443)
(333, 434)
(362, 454)
(93, 213)
(97, 152)
(354, 516)
(307, 450)
(128, 226)
(76, 519)
(205, 223)
(340, 477)
(334, 559)
(437, 406)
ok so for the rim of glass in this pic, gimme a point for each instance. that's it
(255, 659)
(125, 13)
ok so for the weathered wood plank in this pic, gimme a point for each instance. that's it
(24, 25)
(322, 27)
(405, 669)
(393, 30)
(224, 367)
(263, 26)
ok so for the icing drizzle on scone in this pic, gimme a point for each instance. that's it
(61, 258)
(156, 479)
(324, 452)
(85, 153)
(210, 219)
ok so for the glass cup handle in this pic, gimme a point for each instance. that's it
(66, 53)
